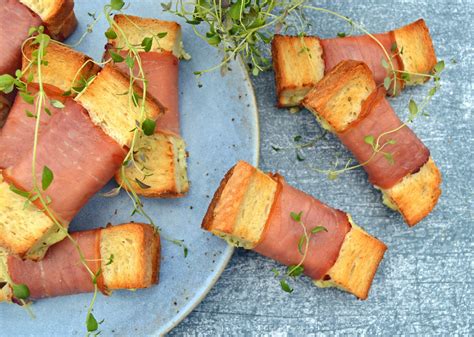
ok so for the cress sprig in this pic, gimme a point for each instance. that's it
(237, 28)
(294, 271)
(37, 193)
(144, 126)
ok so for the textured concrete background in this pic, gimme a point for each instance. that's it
(425, 283)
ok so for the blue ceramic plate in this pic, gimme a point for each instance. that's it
(220, 125)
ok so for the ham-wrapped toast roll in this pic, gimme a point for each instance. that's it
(301, 62)
(16, 18)
(24, 231)
(348, 103)
(125, 256)
(164, 155)
(253, 210)
(74, 143)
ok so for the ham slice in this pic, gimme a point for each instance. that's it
(60, 272)
(282, 234)
(15, 21)
(361, 48)
(17, 135)
(161, 71)
(408, 152)
(80, 155)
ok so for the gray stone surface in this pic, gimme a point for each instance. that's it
(425, 283)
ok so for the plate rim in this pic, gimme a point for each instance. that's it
(229, 249)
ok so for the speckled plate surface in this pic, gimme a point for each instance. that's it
(220, 125)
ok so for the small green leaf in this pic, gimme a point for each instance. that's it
(406, 77)
(255, 71)
(117, 4)
(142, 184)
(297, 138)
(384, 63)
(30, 114)
(276, 148)
(299, 157)
(27, 97)
(296, 216)
(110, 34)
(235, 10)
(7, 83)
(439, 67)
(285, 286)
(148, 127)
(393, 48)
(275, 272)
(294, 270)
(389, 158)
(91, 323)
(22, 193)
(413, 107)
(117, 58)
(387, 82)
(67, 93)
(369, 139)
(130, 61)
(318, 229)
(147, 42)
(301, 242)
(47, 178)
(110, 260)
(162, 35)
(332, 175)
(391, 141)
(214, 40)
(185, 251)
(21, 291)
(57, 104)
(341, 34)
(32, 30)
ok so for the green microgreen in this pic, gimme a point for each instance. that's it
(46, 178)
(21, 291)
(294, 271)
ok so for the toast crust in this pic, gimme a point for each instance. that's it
(358, 261)
(136, 251)
(161, 159)
(416, 50)
(57, 15)
(73, 66)
(337, 99)
(110, 108)
(417, 194)
(137, 28)
(290, 53)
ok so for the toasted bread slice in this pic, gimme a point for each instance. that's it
(356, 265)
(166, 34)
(416, 50)
(241, 206)
(57, 15)
(337, 99)
(136, 255)
(239, 212)
(161, 170)
(74, 67)
(110, 107)
(417, 194)
(298, 64)
(24, 229)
